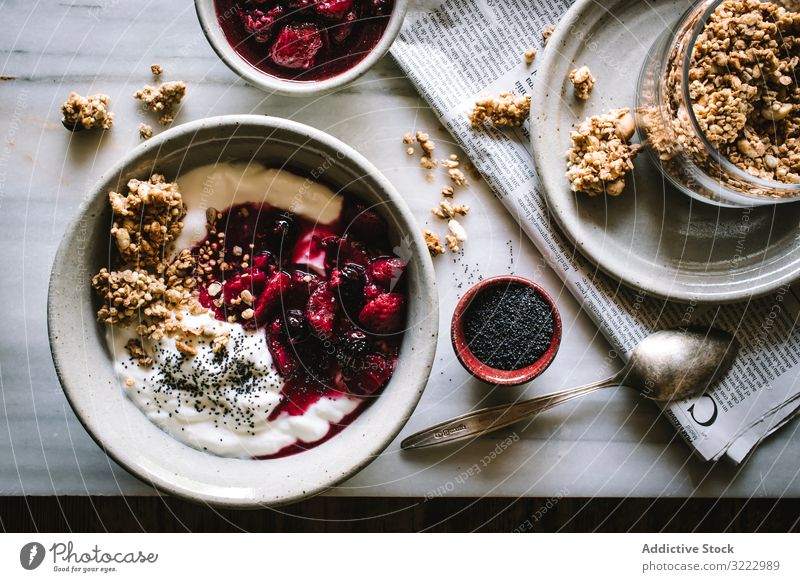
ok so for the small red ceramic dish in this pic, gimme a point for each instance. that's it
(478, 368)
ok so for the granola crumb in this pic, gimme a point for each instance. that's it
(447, 210)
(79, 113)
(504, 110)
(138, 353)
(408, 139)
(162, 99)
(530, 55)
(452, 243)
(185, 348)
(600, 155)
(156, 69)
(425, 143)
(433, 242)
(410, 151)
(427, 163)
(583, 81)
(457, 177)
(547, 32)
(429, 177)
(145, 131)
(448, 192)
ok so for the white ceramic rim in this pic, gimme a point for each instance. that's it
(570, 224)
(207, 14)
(207, 482)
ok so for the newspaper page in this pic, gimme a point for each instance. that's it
(454, 50)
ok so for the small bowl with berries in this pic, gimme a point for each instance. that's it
(300, 47)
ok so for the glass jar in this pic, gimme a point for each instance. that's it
(667, 124)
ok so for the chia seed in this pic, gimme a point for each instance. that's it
(508, 327)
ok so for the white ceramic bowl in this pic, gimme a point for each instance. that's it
(207, 14)
(83, 362)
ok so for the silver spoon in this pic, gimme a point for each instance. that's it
(667, 365)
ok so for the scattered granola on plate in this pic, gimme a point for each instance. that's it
(582, 81)
(79, 113)
(601, 154)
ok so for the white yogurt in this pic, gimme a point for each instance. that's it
(223, 185)
(220, 402)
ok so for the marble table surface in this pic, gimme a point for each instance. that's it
(608, 444)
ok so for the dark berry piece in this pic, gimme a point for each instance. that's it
(342, 31)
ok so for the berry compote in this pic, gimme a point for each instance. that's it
(330, 298)
(303, 40)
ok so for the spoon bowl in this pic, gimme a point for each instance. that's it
(667, 365)
(675, 364)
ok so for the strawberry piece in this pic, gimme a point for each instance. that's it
(371, 291)
(321, 311)
(279, 283)
(385, 272)
(384, 314)
(373, 374)
(297, 46)
(260, 23)
(333, 9)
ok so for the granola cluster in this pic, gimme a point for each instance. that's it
(147, 219)
(163, 99)
(582, 81)
(433, 242)
(145, 131)
(505, 110)
(601, 155)
(147, 289)
(529, 55)
(79, 113)
(743, 87)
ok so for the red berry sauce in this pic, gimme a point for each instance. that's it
(330, 298)
(303, 40)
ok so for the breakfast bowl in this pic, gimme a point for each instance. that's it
(301, 47)
(528, 325)
(114, 402)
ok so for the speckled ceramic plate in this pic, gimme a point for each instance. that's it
(84, 365)
(652, 237)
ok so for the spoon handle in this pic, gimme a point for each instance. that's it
(487, 420)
